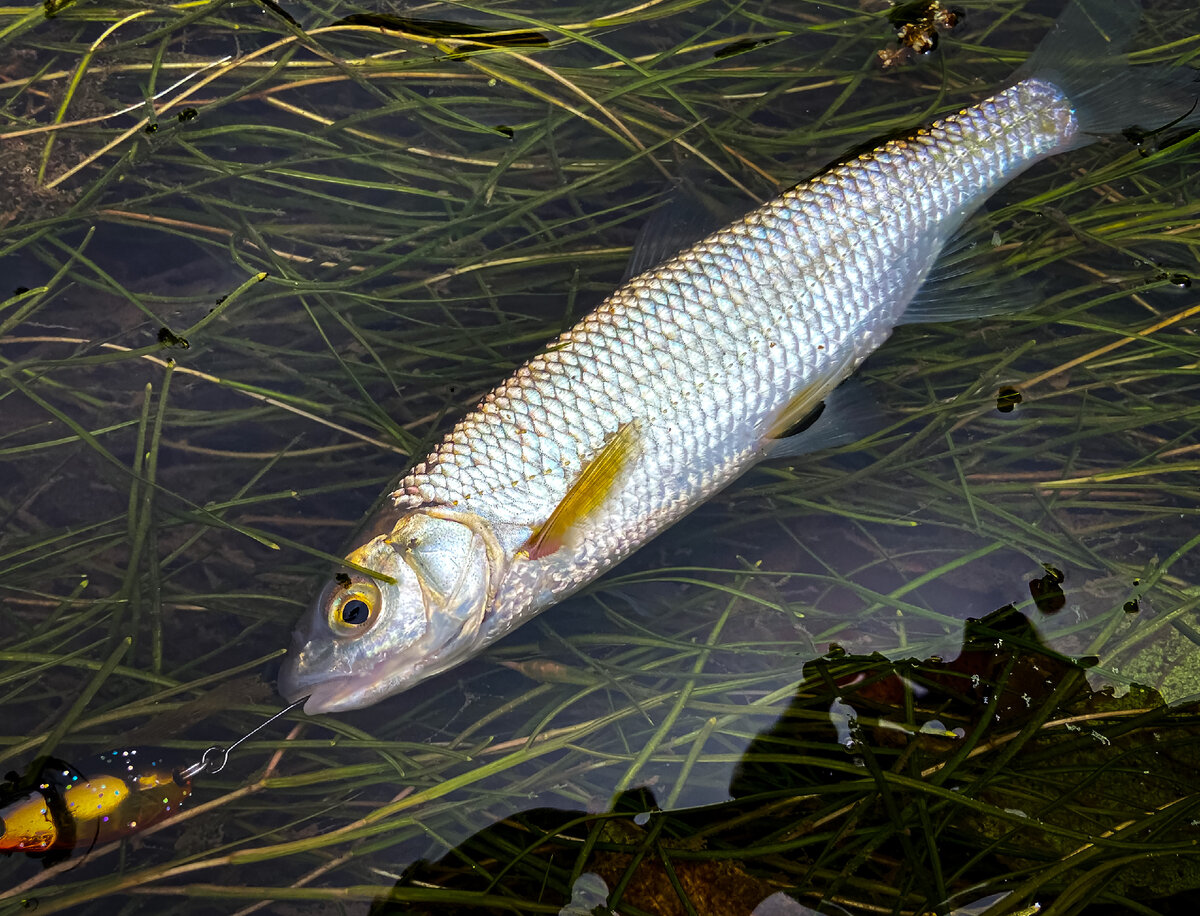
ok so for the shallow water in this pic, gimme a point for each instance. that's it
(415, 252)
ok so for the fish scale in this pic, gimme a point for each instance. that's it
(704, 351)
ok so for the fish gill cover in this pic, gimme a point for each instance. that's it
(256, 258)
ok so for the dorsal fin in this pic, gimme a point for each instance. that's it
(585, 495)
(684, 214)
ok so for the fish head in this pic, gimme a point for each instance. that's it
(416, 614)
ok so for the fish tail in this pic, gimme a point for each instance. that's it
(1084, 56)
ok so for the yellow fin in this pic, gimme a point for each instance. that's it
(585, 495)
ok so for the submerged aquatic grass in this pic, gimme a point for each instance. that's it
(256, 259)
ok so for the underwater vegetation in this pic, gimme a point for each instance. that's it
(255, 258)
(886, 783)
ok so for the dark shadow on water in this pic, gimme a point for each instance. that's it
(921, 785)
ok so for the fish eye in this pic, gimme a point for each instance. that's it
(356, 612)
(353, 606)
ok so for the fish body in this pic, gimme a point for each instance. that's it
(703, 355)
(674, 386)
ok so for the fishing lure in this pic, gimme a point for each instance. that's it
(103, 798)
(60, 807)
(696, 370)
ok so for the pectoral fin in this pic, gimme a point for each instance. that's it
(586, 494)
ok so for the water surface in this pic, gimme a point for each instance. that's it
(949, 667)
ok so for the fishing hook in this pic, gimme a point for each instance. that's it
(213, 759)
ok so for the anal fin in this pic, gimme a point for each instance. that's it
(970, 280)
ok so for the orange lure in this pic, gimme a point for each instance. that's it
(58, 808)
(63, 808)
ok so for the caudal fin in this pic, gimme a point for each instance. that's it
(1084, 55)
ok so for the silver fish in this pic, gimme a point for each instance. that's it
(679, 382)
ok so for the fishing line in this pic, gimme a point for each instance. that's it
(213, 759)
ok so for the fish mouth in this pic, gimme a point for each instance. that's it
(332, 694)
(336, 695)
(323, 692)
(389, 675)
(367, 684)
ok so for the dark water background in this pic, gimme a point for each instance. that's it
(415, 253)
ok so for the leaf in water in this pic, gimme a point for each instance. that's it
(444, 28)
(740, 47)
(1047, 591)
(169, 338)
(551, 672)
